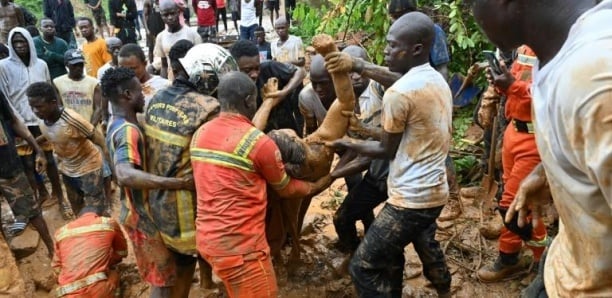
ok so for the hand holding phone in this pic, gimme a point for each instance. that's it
(493, 62)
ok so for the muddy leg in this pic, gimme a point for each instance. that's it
(41, 226)
(185, 268)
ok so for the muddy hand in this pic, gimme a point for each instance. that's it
(354, 123)
(270, 92)
(187, 183)
(532, 194)
(339, 62)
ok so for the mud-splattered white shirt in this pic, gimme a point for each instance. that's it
(419, 106)
(572, 104)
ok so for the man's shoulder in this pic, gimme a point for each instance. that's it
(90, 80)
(61, 79)
(438, 29)
(295, 38)
(73, 118)
(274, 68)
(157, 82)
(419, 77)
(41, 65)
(307, 94)
(120, 125)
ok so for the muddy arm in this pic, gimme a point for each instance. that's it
(335, 124)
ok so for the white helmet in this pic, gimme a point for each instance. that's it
(205, 64)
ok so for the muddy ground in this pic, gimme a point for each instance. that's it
(321, 271)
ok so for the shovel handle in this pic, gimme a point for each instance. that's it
(491, 163)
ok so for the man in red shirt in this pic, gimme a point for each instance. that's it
(86, 250)
(207, 21)
(232, 163)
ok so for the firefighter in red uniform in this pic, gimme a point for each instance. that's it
(519, 157)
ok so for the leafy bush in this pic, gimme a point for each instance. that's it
(466, 41)
(80, 8)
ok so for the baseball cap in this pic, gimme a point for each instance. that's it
(73, 56)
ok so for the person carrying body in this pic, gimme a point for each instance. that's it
(416, 118)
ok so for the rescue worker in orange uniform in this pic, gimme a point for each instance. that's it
(86, 250)
(519, 157)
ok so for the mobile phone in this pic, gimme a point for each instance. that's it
(493, 62)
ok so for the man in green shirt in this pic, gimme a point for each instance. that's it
(50, 48)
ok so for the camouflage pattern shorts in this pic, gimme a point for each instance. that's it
(20, 196)
(86, 190)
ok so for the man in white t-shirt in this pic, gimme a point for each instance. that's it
(113, 45)
(248, 19)
(572, 107)
(174, 32)
(288, 48)
(416, 120)
(133, 57)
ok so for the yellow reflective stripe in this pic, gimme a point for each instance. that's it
(526, 60)
(538, 243)
(65, 232)
(122, 253)
(282, 183)
(222, 159)
(185, 208)
(81, 283)
(184, 244)
(247, 142)
(166, 137)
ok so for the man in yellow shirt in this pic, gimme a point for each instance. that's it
(94, 49)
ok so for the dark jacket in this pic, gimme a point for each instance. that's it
(62, 14)
(115, 6)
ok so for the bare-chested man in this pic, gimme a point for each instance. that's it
(11, 16)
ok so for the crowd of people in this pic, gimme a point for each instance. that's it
(217, 153)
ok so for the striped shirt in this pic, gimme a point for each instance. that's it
(125, 142)
(71, 138)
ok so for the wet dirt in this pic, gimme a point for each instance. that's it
(321, 272)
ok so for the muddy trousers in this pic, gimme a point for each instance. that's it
(377, 268)
(357, 205)
(519, 157)
(249, 275)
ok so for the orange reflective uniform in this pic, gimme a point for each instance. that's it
(520, 153)
(232, 163)
(85, 249)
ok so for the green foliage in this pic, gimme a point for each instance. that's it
(346, 16)
(466, 40)
(80, 7)
(462, 119)
(34, 6)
